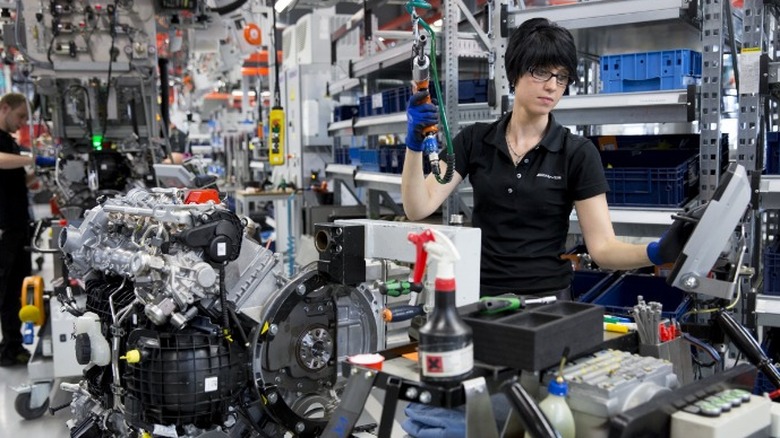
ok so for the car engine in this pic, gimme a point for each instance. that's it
(190, 328)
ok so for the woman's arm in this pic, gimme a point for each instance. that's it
(421, 196)
(607, 251)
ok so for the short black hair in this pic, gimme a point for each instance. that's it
(539, 42)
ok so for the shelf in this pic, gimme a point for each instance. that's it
(767, 310)
(770, 192)
(388, 182)
(607, 13)
(617, 108)
(586, 109)
(386, 58)
(396, 123)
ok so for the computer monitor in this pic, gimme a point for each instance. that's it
(718, 220)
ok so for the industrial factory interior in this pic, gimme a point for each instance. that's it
(389, 218)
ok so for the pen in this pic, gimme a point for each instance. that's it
(612, 318)
(619, 327)
(616, 319)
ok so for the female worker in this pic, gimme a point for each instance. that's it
(527, 171)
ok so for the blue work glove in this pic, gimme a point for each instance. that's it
(671, 243)
(419, 116)
(433, 422)
(42, 161)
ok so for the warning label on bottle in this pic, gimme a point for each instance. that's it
(447, 363)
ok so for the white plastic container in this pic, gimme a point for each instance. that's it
(557, 410)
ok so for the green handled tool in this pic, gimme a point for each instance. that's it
(493, 305)
(395, 288)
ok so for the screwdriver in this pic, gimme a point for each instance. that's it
(492, 305)
(401, 313)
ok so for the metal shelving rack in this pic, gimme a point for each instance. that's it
(596, 25)
(758, 74)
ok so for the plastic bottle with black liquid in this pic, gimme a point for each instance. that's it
(446, 350)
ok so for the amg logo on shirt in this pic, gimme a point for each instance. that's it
(544, 175)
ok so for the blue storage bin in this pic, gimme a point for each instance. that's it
(364, 106)
(472, 90)
(390, 101)
(354, 155)
(621, 297)
(772, 270)
(404, 94)
(650, 71)
(651, 178)
(341, 156)
(772, 153)
(587, 285)
(369, 160)
(762, 384)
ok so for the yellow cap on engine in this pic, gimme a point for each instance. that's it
(132, 356)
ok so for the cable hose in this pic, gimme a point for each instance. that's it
(223, 299)
(450, 160)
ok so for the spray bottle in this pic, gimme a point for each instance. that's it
(446, 350)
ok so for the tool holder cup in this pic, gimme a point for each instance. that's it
(676, 351)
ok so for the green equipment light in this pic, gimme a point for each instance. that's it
(97, 142)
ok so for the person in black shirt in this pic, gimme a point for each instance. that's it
(527, 172)
(15, 261)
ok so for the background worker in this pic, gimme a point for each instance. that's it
(15, 260)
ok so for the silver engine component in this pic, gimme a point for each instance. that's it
(208, 338)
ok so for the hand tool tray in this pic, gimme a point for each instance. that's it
(535, 338)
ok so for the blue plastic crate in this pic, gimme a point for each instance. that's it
(354, 155)
(772, 270)
(404, 94)
(364, 106)
(587, 285)
(369, 160)
(651, 178)
(621, 297)
(772, 153)
(390, 101)
(650, 71)
(472, 90)
(341, 156)
(763, 385)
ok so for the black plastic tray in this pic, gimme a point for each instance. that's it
(535, 338)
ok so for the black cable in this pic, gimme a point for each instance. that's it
(277, 93)
(223, 298)
(112, 32)
(237, 323)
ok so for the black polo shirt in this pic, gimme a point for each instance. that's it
(14, 207)
(524, 210)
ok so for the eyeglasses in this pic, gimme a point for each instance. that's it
(543, 75)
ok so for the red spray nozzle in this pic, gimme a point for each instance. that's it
(421, 258)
